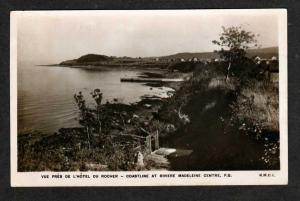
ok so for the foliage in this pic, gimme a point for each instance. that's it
(250, 108)
(234, 41)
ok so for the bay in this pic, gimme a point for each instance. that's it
(45, 94)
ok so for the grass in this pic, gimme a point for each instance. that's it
(60, 152)
(258, 103)
(220, 82)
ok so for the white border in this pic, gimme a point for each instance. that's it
(238, 177)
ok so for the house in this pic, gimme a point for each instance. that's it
(257, 58)
(269, 66)
(274, 58)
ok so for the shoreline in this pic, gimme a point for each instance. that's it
(139, 113)
(111, 66)
(197, 121)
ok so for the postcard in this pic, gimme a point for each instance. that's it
(149, 97)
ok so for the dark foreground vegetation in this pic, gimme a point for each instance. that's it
(233, 124)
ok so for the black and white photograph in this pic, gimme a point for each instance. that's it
(149, 97)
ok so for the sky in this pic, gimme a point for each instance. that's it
(53, 37)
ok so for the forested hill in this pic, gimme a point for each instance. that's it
(89, 58)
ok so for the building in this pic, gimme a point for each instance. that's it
(274, 58)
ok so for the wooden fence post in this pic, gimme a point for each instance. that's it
(148, 144)
(156, 140)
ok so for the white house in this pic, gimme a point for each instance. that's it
(257, 58)
(274, 58)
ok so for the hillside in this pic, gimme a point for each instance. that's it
(98, 60)
(188, 55)
(262, 52)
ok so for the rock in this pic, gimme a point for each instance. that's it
(181, 153)
(157, 162)
(148, 106)
(165, 151)
(140, 161)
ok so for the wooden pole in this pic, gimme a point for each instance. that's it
(156, 139)
(148, 144)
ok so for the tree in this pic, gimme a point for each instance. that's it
(234, 41)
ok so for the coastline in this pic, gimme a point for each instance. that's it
(108, 66)
(139, 113)
(199, 112)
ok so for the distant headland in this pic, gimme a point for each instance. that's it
(94, 60)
